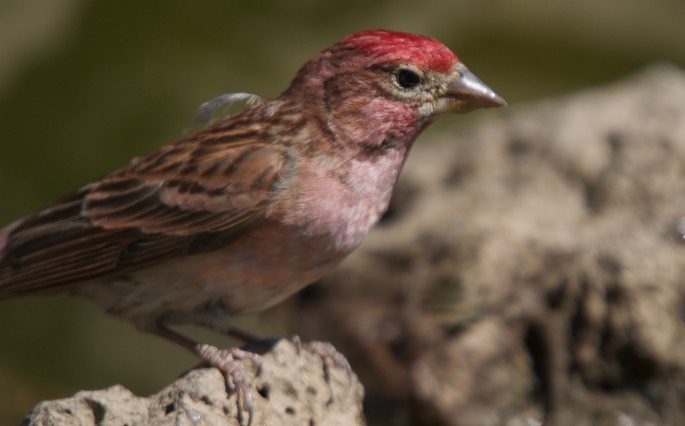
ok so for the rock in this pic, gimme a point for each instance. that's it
(292, 387)
(529, 268)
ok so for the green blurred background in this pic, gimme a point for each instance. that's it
(86, 85)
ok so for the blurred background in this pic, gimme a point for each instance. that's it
(85, 86)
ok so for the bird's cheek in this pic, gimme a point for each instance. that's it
(384, 119)
(362, 123)
(367, 132)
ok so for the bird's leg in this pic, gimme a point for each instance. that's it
(240, 335)
(226, 360)
(166, 333)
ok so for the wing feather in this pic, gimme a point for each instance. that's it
(190, 197)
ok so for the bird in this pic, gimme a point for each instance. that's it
(245, 212)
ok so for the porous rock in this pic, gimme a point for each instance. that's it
(293, 386)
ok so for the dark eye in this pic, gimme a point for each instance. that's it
(408, 78)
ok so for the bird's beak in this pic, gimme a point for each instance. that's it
(465, 92)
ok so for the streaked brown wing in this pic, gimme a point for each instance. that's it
(186, 198)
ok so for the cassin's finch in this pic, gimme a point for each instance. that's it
(241, 215)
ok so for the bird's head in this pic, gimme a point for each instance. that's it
(383, 86)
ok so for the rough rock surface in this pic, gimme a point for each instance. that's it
(292, 387)
(532, 267)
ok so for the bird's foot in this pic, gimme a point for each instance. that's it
(237, 380)
(326, 351)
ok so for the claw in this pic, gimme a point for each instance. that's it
(326, 350)
(228, 362)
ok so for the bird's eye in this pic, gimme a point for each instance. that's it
(408, 78)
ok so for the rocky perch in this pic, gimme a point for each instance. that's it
(294, 386)
(530, 267)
